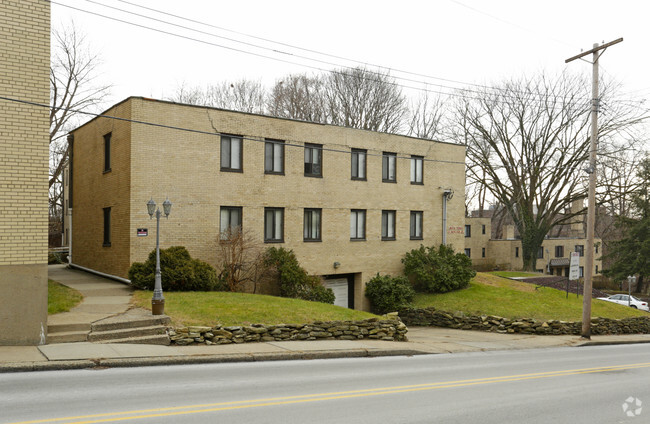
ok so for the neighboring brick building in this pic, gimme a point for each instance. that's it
(505, 252)
(349, 202)
(24, 141)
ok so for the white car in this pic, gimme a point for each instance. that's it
(622, 299)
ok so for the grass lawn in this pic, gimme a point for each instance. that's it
(515, 274)
(210, 308)
(490, 294)
(61, 298)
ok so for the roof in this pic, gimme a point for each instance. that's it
(560, 262)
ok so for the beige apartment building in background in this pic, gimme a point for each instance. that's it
(488, 252)
(24, 152)
(350, 203)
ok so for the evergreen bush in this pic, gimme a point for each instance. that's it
(438, 270)
(294, 281)
(179, 272)
(389, 294)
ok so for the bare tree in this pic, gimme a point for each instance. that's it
(240, 259)
(426, 117)
(369, 100)
(243, 95)
(73, 89)
(298, 97)
(528, 141)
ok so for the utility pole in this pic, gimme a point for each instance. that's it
(597, 51)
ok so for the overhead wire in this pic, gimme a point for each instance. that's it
(461, 92)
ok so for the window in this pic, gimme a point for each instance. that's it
(596, 269)
(483, 229)
(482, 252)
(274, 157)
(388, 225)
(231, 153)
(559, 251)
(388, 167)
(107, 152)
(416, 225)
(312, 225)
(468, 253)
(582, 271)
(516, 252)
(313, 160)
(273, 225)
(107, 227)
(416, 169)
(580, 249)
(357, 224)
(468, 231)
(596, 248)
(358, 164)
(540, 252)
(230, 221)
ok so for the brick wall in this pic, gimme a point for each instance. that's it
(185, 167)
(24, 136)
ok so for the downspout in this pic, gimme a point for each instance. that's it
(447, 194)
(70, 190)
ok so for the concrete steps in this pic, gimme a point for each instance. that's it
(67, 332)
(135, 326)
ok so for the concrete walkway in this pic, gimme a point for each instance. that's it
(103, 297)
(107, 298)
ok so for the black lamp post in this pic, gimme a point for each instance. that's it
(158, 301)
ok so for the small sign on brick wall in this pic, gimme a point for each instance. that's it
(143, 232)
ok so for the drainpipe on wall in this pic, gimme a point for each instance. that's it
(70, 191)
(447, 194)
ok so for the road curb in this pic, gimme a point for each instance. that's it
(611, 343)
(203, 359)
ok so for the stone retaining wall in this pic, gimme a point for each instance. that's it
(390, 328)
(599, 326)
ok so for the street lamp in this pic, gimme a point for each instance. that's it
(158, 301)
(631, 279)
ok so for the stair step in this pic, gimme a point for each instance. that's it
(158, 339)
(62, 328)
(67, 337)
(126, 332)
(124, 321)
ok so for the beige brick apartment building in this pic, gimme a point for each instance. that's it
(349, 202)
(24, 138)
(489, 252)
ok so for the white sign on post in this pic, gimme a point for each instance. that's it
(574, 266)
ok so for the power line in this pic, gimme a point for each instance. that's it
(289, 143)
(461, 93)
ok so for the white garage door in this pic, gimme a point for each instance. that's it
(340, 288)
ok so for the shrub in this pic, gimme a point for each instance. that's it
(179, 272)
(437, 270)
(293, 279)
(389, 294)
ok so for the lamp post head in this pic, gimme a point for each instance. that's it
(167, 207)
(151, 208)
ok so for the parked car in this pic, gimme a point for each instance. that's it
(622, 299)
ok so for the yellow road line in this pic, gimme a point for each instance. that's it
(256, 403)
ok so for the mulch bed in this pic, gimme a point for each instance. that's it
(560, 284)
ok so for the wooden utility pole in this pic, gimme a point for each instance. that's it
(597, 51)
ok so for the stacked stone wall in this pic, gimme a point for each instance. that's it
(389, 329)
(599, 326)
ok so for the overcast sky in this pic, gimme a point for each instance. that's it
(444, 43)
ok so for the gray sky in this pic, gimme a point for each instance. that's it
(450, 44)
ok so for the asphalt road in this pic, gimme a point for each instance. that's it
(563, 385)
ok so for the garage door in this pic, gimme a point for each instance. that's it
(340, 288)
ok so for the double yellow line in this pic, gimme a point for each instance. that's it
(317, 397)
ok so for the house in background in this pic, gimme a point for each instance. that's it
(493, 243)
(350, 203)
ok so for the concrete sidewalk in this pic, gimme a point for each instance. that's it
(422, 340)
